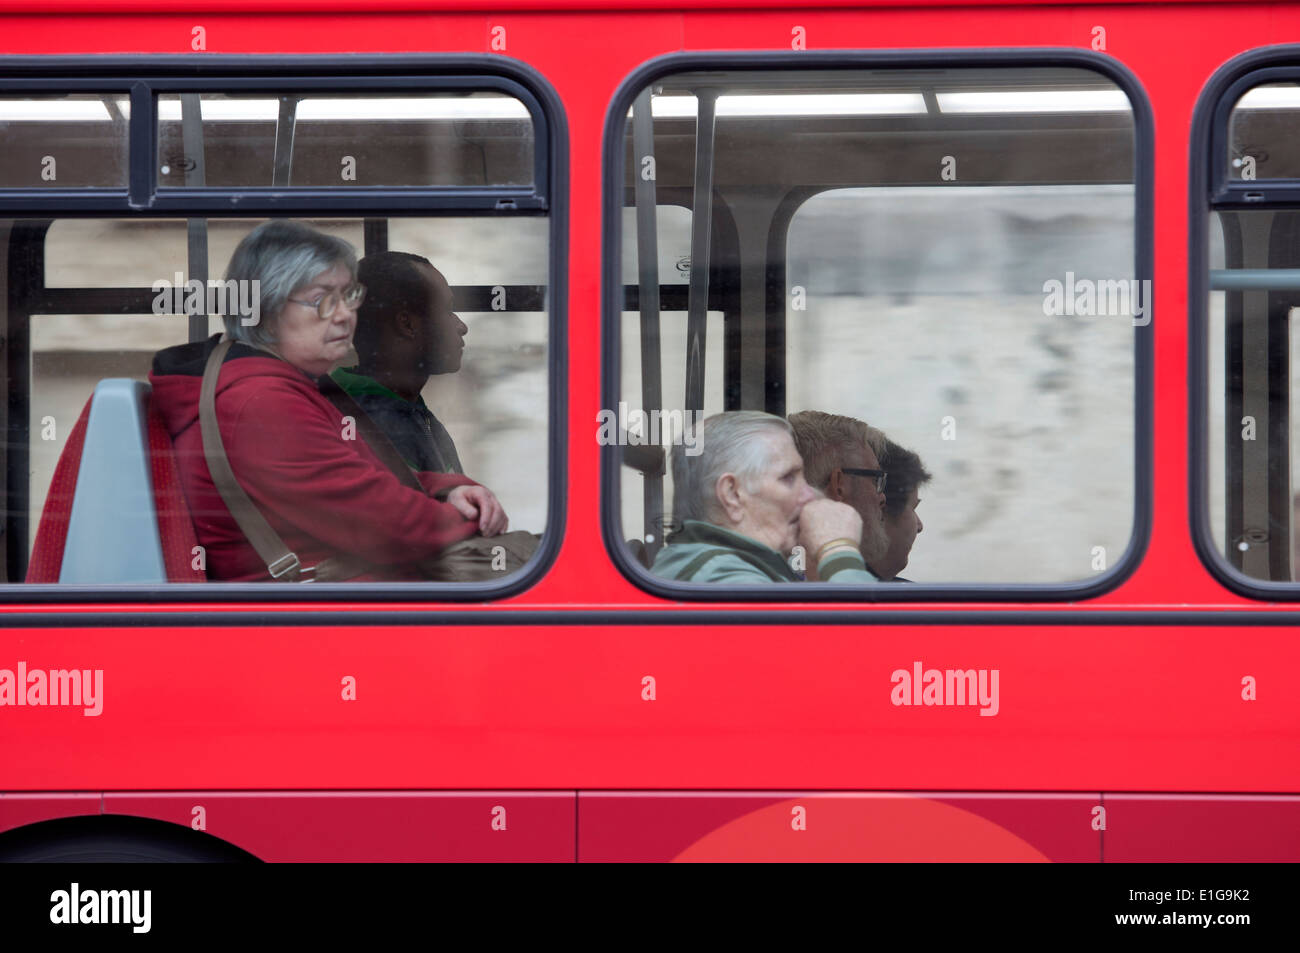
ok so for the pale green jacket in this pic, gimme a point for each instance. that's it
(702, 552)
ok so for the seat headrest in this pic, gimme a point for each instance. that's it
(113, 530)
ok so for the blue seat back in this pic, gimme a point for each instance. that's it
(113, 532)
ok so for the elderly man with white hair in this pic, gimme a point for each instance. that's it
(742, 506)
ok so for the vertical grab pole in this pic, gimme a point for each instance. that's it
(196, 229)
(284, 125)
(647, 256)
(375, 233)
(701, 229)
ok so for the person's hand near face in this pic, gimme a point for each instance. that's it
(824, 521)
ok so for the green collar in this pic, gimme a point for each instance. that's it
(359, 385)
(750, 550)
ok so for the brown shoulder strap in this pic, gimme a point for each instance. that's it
(281, 563)
(374, 437)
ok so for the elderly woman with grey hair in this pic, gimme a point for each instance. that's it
(742, 506)
(326, 493)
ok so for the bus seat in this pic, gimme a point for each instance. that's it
(639, 552)
(647, 460)
(115, 512)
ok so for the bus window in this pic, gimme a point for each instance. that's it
(389, 407)
(1261, 134)
(63, 141)
(923, 316)
(505, 353)
(1252, 340)
(450, 139)
(140, 266)
(949, 256)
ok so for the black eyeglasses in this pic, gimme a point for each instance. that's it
(881, 476)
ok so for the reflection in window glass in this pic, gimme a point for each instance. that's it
(946, 256)
(444, 139)
(77, 140)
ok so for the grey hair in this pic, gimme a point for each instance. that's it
(728, 443)
(824, 439)
(280, 255)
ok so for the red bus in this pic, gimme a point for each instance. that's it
(1045, 247)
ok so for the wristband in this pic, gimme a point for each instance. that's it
(836, 543)
(837, 561)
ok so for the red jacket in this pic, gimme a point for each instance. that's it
(322, 489)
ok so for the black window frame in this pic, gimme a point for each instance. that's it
(613, 186)
(1211, 189)
(143, 78)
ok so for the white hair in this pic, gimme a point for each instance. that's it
(731, 442)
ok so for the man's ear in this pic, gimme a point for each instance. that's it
(835, 489)
(407, 325)
(727, 491)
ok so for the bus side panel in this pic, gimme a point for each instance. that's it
(1217, 829)
(788, 30)
(387, 826)
(225, 33)
(20, 809)
(767, 705)
(893, 827)
(646, 826)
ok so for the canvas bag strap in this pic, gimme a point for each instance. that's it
(281, 563)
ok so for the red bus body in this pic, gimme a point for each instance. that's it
(1130, 702)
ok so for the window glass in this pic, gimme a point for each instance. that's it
(1253, 355)
(94, 299)
(925, 318)
(62, 141)
(674, 248)
(497, 399)
(947, 256)
(314, 141)
(1261, 136)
